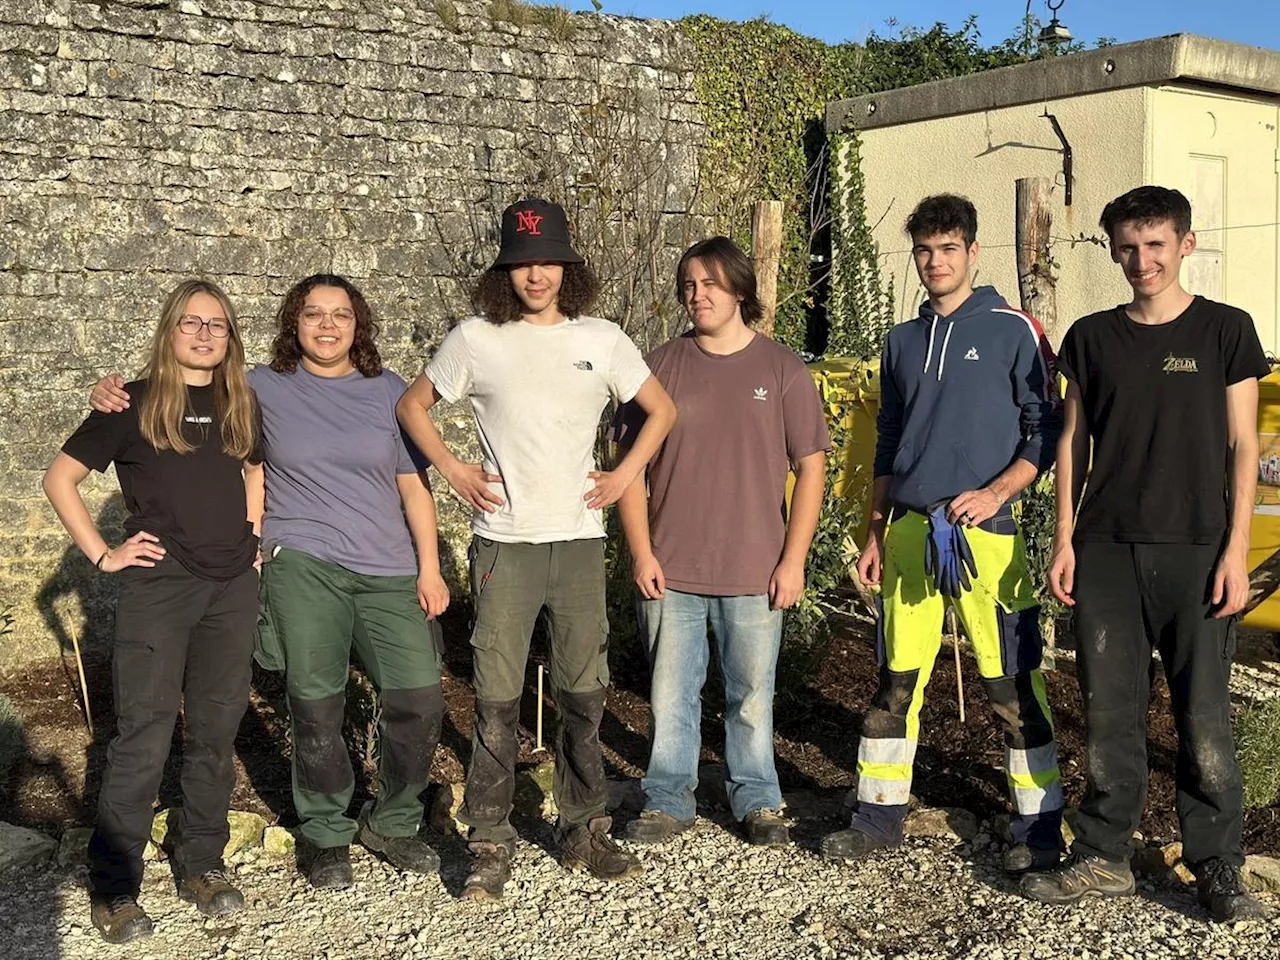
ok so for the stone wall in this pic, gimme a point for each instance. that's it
(258, 141)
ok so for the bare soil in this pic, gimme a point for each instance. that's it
(56, 783)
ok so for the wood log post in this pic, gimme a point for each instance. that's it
(1032, 237)
(766, 255)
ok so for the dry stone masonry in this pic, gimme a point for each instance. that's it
(258, 141)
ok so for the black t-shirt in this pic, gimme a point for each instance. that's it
(194, 502)
(1155, 406)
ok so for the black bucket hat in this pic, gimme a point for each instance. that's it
(533, 230)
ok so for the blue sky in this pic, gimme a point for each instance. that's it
(1255, 22)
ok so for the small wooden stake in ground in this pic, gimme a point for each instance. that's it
(538, 748)
(955, 645)
(766, 254)
(84, 686)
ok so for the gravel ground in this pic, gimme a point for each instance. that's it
(705, 894)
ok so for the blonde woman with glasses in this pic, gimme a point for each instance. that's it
(188, 598)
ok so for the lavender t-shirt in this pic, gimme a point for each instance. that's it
(333, 451)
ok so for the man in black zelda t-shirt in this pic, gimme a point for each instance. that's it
(1166, 388)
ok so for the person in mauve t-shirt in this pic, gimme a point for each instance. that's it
(188, 600)
(716, 542)
(1165, 391)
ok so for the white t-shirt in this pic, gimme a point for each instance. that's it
(537, 393)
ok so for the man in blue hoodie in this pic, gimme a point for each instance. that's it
(969, 417)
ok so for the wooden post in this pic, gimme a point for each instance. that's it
(766, 254)
(1032, 237)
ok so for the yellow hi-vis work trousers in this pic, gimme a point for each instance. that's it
(1001, 618)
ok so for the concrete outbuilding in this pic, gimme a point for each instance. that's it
(1182, 111)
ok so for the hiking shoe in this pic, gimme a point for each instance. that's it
(1079, 876)
(1021, 858)
(591, 848)
(1220, 890)
(331, 869)
(490, 871)
(853, 844)
(404, 853)
(119, 918)
(212, 893)
(766, 828)
(654, 826)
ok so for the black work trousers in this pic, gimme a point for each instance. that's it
(1131, 598)
(180, 641)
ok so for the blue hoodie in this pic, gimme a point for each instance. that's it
(962, 397)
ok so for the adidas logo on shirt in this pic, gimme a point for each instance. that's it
(760, 394)
(972, 354)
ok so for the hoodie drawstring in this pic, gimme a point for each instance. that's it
(928, 354)
(942, 355)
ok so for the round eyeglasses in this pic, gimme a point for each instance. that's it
(190, 324)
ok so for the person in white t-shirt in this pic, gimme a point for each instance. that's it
(538, 373)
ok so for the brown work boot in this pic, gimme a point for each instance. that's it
(119, 918)
(212, 893)
(490, 871)
(591, 848)
(1079, 876)
(767, 828)
(654, 826)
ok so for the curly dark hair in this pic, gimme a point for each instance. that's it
(495, 299)
(1146, 206)
(941, 214)
(286, 351)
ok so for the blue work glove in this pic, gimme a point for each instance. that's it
(948, 558)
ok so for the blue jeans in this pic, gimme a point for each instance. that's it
(748, 635)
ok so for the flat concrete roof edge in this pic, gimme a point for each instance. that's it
(1180, 57)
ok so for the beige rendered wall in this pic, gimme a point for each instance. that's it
(981, 155)
(1221, 151)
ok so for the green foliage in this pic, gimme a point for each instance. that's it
(1258, 745)
(557, 19)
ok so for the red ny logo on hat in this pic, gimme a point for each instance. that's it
(527, 222)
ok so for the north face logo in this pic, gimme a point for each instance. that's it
(972, 354)
(584, 365)
(760, 394)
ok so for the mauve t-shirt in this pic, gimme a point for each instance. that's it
(333, 450)
(717, 487)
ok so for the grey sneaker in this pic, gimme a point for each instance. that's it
(405, 853)
(591, 848)
(1021, 858)
(490, 871)
(654, 826)
(853, 844)
(767, 828)
(1221, 891)
(1079, 876)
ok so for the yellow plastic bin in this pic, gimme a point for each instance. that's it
(854, 387)
(1264, 542)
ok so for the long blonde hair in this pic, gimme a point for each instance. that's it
(166, 400)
